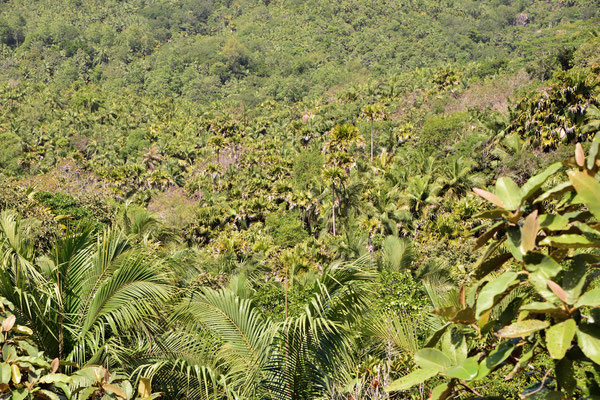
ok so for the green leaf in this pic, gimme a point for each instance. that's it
(441, 391)
(497, 357)
(565, 375)
(5, 373)
(523, 328)
(559, 338)
(588, 338)
(536, 182)
(570, 241)
(16, 374)
(590, 298)
(508, 192)
(414, 378)
(542, 264)
(53, 378)
(467, 370)
(554, 192)
(543, 308)
(514, 242)
(594, 149)
(553, 222)
(454, 345)
(491, 265)
(19, 394)
(86, 393)
(588, 188)
(433, 359)
(574, 279)
(47, 395)
(494, 290)
(435, 337)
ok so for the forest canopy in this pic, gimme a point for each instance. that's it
(299, 199)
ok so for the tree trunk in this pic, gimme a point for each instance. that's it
(371, 139)
(333, 207)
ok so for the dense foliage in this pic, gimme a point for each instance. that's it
(274, 199)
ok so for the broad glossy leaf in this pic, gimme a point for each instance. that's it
(574, 279)
(467, 370)
(492, 198)
(497, 357)
(434, 359)
(115, 390)
(536, 182)
(588, 338)
(565, 375)
(557, 290)
(494, 290)
(514, 242)
(523, 328)
(591, 298)
(414, 378)
(16, 374)
(47, 395)
(19, 394)
(435, 337)
(8, 323)
(87, 393)
(508, 192)
(529, 232)
(54, 365)
(579, 155)
(23, 330)
(554, 192)
(441, 391)
(456, 315)
(53, 378)
(570, 241)
(588, 188)
(553, 222)
(542, 264)
(5, 373)
(559, 338)
(491, 265)
(544, 308)
(486, 236)
(540, 283)
(454, 345)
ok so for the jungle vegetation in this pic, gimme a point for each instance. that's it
(299, 199)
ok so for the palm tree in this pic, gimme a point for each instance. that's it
(151, 158)
(373, 112)
(336, 176)
(87, 296)
(342, 139)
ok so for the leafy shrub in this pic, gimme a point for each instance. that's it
(543, 304)
(286, 229)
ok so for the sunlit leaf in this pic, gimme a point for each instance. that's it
(559, 337)
(523, 328)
